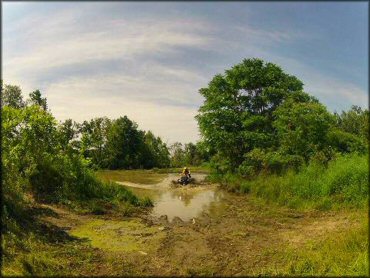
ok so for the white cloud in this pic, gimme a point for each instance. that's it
(152, 97)
(39, 49)
(333, 92)
(257, 35)
(76, 101)
(338, 94)
(63, 42)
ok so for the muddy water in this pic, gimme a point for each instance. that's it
(185, 202)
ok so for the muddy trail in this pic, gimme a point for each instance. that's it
(198, 230)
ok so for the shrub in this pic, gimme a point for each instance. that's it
(36, 161)
(346, 142)
(344, 181)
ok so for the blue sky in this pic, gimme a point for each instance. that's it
(148, 60)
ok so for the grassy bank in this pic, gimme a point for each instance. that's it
(344, 182)
(135, 176)
(341, 253)
(108, 197)
(341, 186)
(32, 246)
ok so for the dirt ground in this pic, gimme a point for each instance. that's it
(238, 236)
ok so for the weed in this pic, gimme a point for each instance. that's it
(343, 182)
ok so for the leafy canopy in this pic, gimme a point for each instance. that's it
(257, 117)
(237, 113)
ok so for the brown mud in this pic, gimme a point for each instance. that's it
(227, 235)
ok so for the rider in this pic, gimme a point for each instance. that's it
(186, 172)
(185, 176)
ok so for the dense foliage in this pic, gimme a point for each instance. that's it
(188, 154)
(256, 118)
(343, 182)
(119, 144)
(42, 160)
(54, 162)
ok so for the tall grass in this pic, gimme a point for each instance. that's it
(27, 241)
(67, 180)
(343, 182)
(343, 253)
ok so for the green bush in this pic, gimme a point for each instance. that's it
(343, 182)
(37, 162)
(346, 142)
(259, 161)
(46, 182)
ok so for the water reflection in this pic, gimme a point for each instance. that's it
(183, 202)
(185, 206)
(185, 197)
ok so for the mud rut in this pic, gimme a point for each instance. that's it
(236, 237)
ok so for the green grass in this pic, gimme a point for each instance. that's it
(135, 176)
(45, 250)
(109, 197)
(342, 253)
(344, 182)
(27, 245)
(32, 247)
(96, 195)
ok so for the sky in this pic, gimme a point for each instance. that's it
(149, 60)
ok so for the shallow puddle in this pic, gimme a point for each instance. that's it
(185, 202)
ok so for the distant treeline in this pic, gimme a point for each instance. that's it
(107, 143)
(120, 144)
(116, 144)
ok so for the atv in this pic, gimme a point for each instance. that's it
(184, 180)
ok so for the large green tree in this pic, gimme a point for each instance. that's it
(237, 113)
(157, 154)
(30, 149)
(302, 128)
(94, 138)
(124, 143)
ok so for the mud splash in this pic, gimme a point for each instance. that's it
(184, 202)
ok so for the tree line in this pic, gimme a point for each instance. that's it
(109, 143)
(256, 118)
